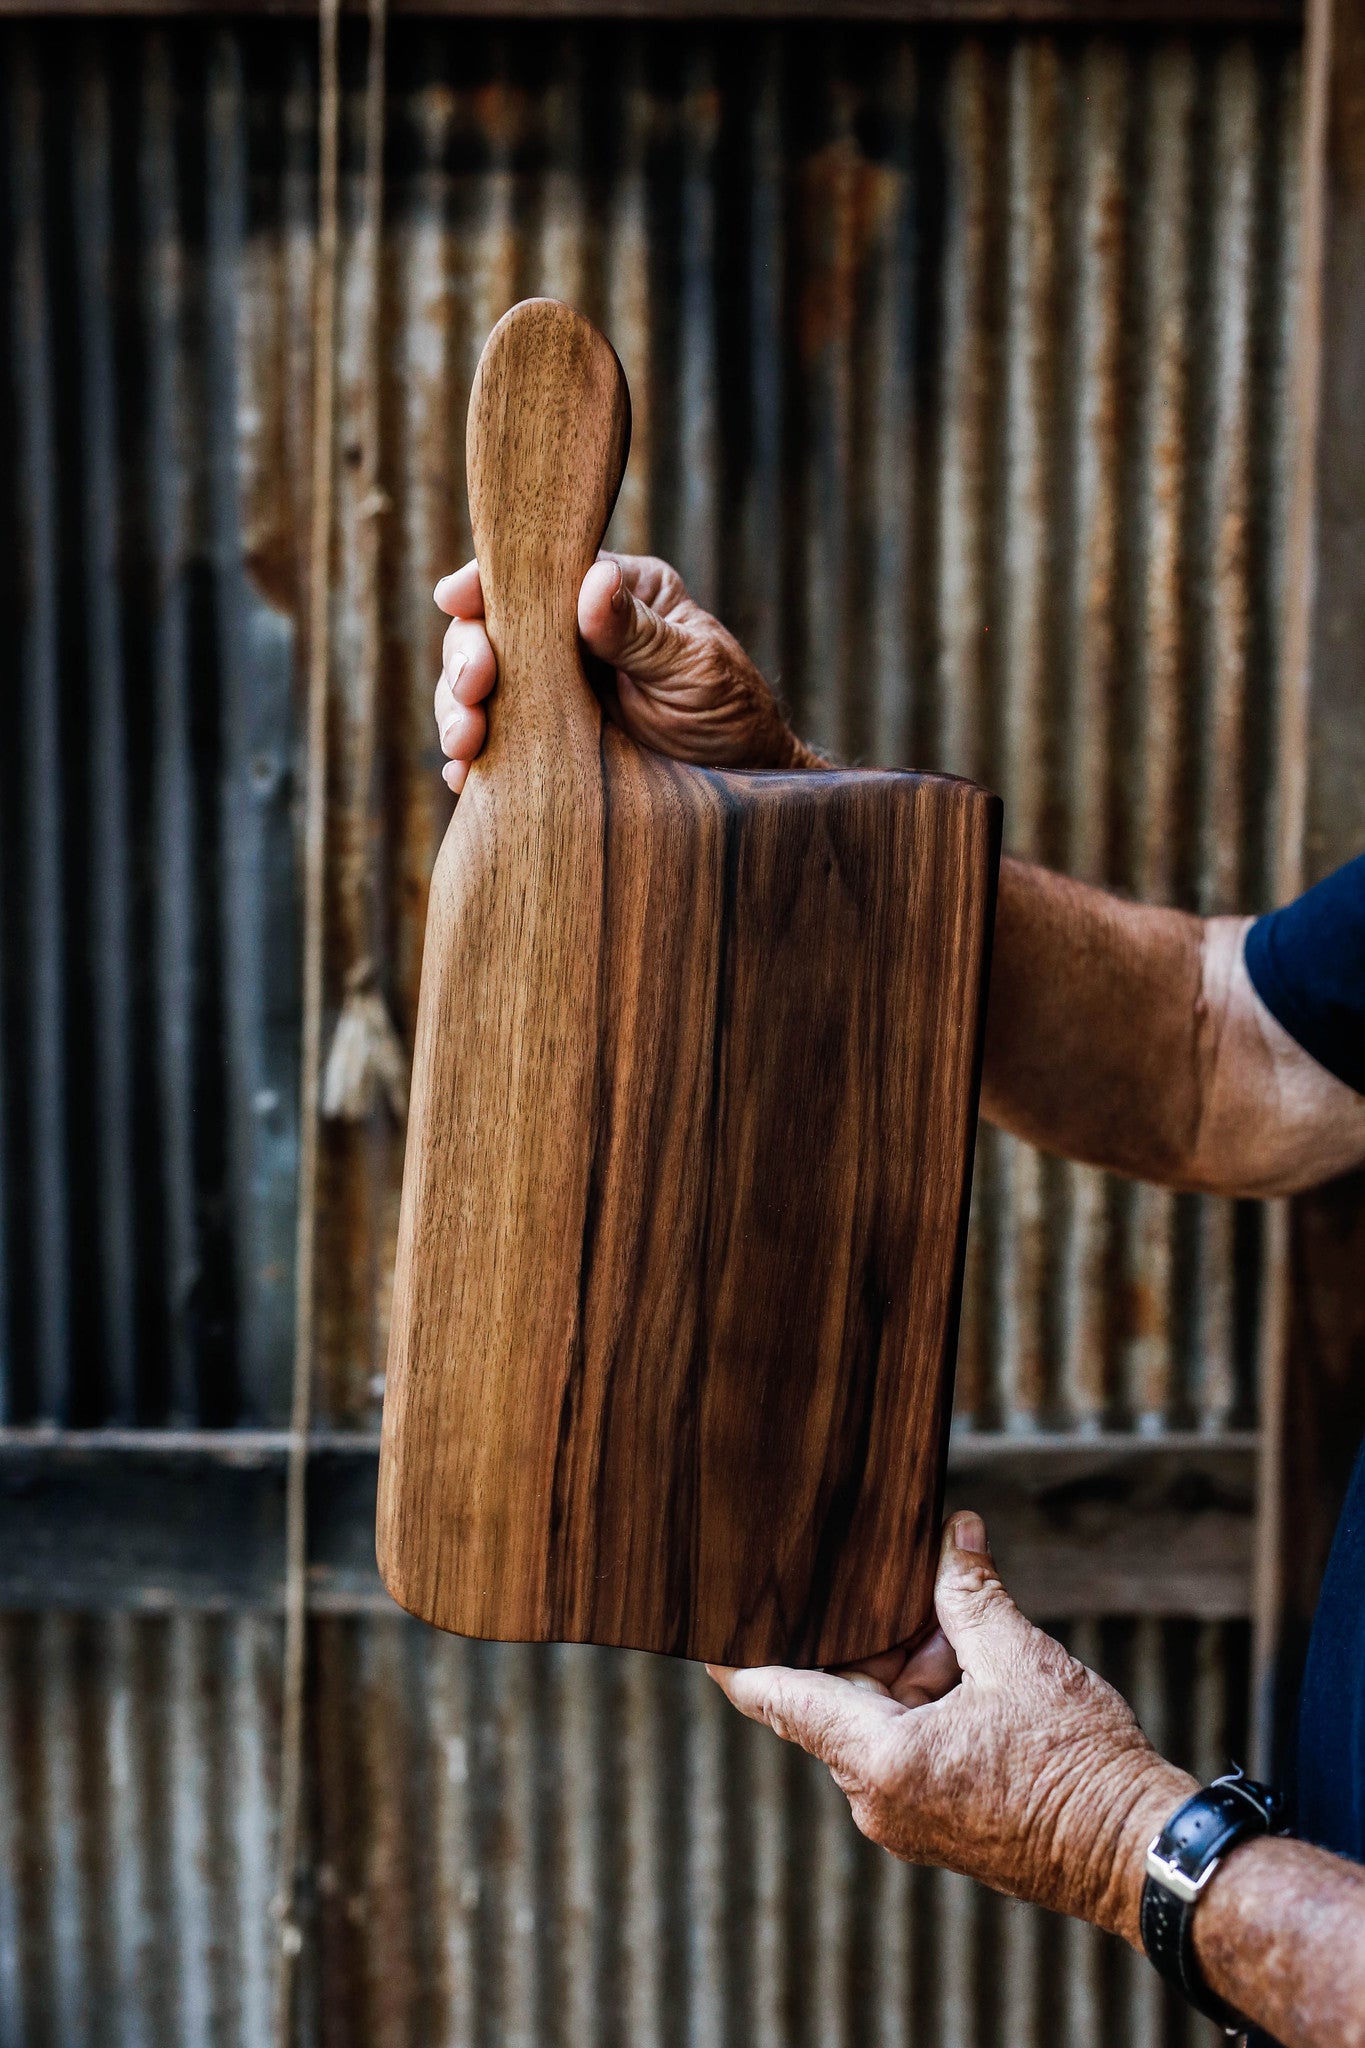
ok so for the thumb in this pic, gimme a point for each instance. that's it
(623, 631)
(976, 1614)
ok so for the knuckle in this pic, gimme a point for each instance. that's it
(1075, 1681)
(978, 1580)
(1054, 1663)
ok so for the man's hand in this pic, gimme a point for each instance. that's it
(682, 684)
(989, 1750)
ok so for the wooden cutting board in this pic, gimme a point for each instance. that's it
(693, 1106)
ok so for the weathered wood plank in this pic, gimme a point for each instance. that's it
(150, 1521)
(949, 13)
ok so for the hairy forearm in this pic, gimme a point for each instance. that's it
(1098, 1044)
(1131, 1037)
(1280, 1934)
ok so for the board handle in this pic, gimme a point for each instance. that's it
(545, 451)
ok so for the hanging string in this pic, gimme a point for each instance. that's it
(314, 879)
(367, 1064)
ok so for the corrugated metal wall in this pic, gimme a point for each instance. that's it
(558, 1846)
(958, 365)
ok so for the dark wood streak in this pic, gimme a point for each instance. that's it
(694, 1098)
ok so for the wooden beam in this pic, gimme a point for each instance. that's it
(948, 13)
(154, 1521)
(1119, 1525)
(1314, 1385)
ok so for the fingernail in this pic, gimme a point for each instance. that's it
(441, 583)
(447, 774)
(453, 676)
(969, 1533)
(620, 601)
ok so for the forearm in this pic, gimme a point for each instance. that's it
(1131, 1037)
(1279, 1933)
(1098, 1042)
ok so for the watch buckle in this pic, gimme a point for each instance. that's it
(1173, 1879)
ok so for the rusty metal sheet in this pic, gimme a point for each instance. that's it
(554, 1848)
(957, 364)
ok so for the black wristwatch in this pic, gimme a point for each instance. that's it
(1180, 1863)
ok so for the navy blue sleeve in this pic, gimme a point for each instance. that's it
(1307, 964)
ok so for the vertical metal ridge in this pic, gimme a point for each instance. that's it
(256, 970)
(827, 233)
(251, 1653)
(1156, 833)
(884, 516)
(456, 1867)
(17, 1917)
(193, 1807)
(765, 1768)
(638, 1977)
(701, 473)
(108, 740)
(580, 1873)
(967, 380)
(1224, 744)
(758, 592)
(629, 296)
(49, 1391)
(424, 467)
(172, 862)
(566, 259)
(128, 1876)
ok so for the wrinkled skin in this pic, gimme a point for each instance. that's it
(988, 1750)
(678, 681)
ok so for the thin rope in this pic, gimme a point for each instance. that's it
(314, 872)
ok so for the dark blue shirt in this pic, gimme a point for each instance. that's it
(1307, 964)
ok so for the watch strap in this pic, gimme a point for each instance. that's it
(1180, 1863)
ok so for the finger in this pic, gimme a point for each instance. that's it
(461, 593)
(464, 731)
(885, 1667)
(621, 629)
(977, 1616)
(865, 1681)
(828, 1717)
(928, 1673)
(454, 775)
(468, 661)
(655, 582)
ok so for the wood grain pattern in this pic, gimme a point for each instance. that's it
(694, 1098)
